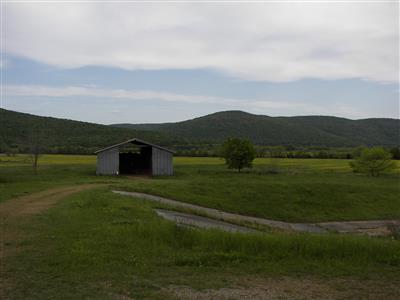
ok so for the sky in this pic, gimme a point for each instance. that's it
(137, 62)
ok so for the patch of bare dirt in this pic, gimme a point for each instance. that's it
(36, 203)
(138, 177)
(293, 288)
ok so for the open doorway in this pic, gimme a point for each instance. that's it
(135, 160)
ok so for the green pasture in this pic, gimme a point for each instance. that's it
(100, 245)
(296, 163)
(298, 190)
(17, 177)
(47, 159)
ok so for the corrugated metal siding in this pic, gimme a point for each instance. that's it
(162, 162)
(108, 162)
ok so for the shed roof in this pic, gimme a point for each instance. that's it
(136, 142)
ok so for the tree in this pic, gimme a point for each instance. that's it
(238, 154)
(35, 148)
(373, 161)
(35, 153)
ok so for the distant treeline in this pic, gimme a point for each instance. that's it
(289, 152)
(210, 150)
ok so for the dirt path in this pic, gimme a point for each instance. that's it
(36, 203)
(18, 210)
(376, 227)
(299, 288)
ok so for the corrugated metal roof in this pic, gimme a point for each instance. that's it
(136, 142)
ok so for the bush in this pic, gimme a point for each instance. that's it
(373, 161)
(238, 154)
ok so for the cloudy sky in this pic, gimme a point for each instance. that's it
(141, 62)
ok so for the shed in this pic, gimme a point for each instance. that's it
(134, 156)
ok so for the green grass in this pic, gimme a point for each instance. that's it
(98, 245)
(17, 177)
(302, 190)
(48, 159)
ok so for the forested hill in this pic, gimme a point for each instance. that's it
(19, 131)
(298, 131)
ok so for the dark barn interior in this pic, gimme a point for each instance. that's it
(135, 157)
(136, 161)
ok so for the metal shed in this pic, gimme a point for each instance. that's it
(134, 156)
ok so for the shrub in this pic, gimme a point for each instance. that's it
(238, 154)
(373, 161)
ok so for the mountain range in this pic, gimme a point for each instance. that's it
(20, 130)
(265, 130)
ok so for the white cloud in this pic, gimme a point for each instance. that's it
(87, 91)
(254, 41)
(251, 105)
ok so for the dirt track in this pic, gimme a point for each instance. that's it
(18, 210)
(299, 288)
(35, 203)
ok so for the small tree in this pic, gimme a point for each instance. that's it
(238, 154)
(35, 149)
(35, 153)
(373, 161)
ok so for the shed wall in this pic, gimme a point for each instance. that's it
(108, 162)
(162, 162)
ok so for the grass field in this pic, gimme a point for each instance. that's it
(300, 191)
(297, 190)
(99, 245)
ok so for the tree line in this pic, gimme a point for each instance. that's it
(287, 152)
(239, 154)
(208, 150)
